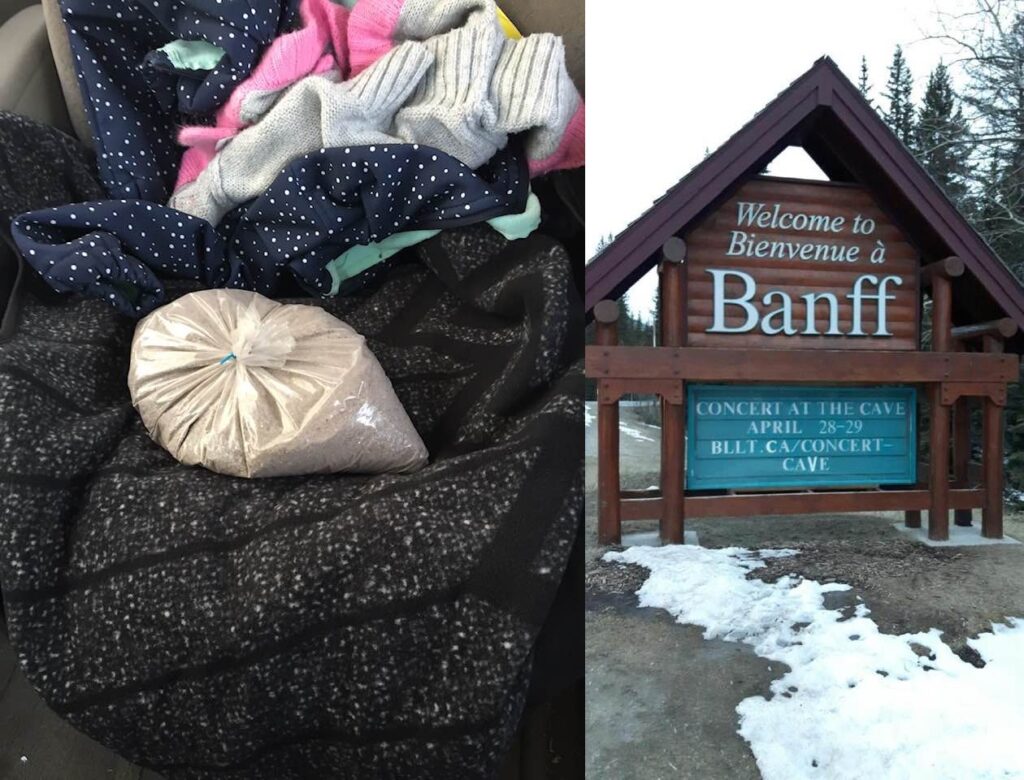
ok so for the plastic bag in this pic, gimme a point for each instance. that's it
(246, 386)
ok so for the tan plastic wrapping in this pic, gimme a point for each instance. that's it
(246, 386)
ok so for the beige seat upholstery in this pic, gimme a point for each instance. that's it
(28, 78)
(61, 51)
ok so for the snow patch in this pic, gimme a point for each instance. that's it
(634, 433)
(856, 703)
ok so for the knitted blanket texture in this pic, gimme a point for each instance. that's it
(325, 626)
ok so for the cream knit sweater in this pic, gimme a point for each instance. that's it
(462, 91)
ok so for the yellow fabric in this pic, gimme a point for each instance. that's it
(507, 26)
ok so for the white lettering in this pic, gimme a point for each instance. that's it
(720, 301)
(756, 214)
(811, 299)
(786, 310)
(737, 240)
(857, 297)
(867, 289)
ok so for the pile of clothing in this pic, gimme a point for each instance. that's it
(249, 155)
(403, 166)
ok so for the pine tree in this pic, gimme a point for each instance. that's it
(862, 83)
(627, 325)
(900, 114)
(992, 60)
(942, 137)
(603, 243)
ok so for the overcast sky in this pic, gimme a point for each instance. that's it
(667, 80)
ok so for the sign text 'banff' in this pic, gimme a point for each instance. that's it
(804, 265)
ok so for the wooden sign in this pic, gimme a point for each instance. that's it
(768, 436)
(803, 265)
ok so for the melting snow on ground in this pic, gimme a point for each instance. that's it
(634, 433)
(857, 703)
(589, 417)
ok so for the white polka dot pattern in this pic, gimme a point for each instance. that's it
(133, 104)
(319, 206)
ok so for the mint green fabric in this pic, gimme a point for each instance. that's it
(193, 55)
(515, 226)
(357, 259)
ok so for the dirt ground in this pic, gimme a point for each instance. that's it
(661, 700)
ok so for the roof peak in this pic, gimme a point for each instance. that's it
(844, 135)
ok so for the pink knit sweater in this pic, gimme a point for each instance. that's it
(319, 46)
(331, 38)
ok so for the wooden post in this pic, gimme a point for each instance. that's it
(936, 276)
(992, 457)
(912, 517)
(942, 314)
(662, 402)
(673, 422)
(609, 508)
(961, 444)
(942, 341)
(938, 482)
(992, 335)
(992, 514)
(962, 455)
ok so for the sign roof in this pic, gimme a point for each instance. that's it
(825, 114)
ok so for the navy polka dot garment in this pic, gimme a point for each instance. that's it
(319, 206)
(134, 100)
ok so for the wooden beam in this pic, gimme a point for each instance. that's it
(641, 509)
(663, 411)
(938, 476)
(613, 389)
(647, 493)
(607, 313)
(961, 454)
(609, 519)
(779, 365)
(674, 250)
(912, 517)
(951, 391)
(992, 454)
(992, 345)
(949, 268)
(992, 458)
(673, 416)
(942, 315)
(767, 504)
(1002, 328)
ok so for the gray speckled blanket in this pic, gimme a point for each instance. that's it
(326, 626)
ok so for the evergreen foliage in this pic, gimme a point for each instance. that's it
(898, 93)
(862, 83)
(943, 138)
